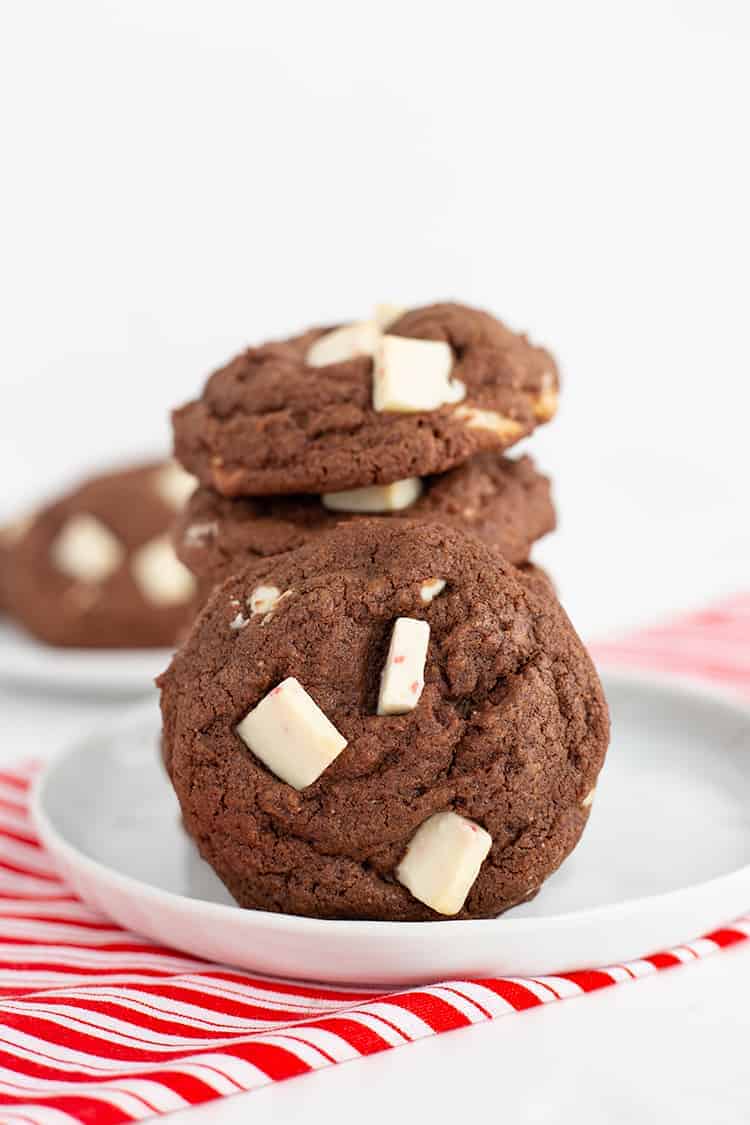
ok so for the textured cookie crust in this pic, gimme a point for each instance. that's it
(268, 424)
(506, 503)
(61, 611)
(510, 730)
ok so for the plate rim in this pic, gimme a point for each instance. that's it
(107, 671)
(435, 932)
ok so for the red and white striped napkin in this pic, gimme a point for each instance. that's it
(97, 1024)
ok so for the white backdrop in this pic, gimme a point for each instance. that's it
(181, 178)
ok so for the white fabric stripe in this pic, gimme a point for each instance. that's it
(641, 968)
(135, 1038)
(100, 958)
(161, 1097)
(334, 1045)
(261, 996)
(413, 1027)
(39, 1114)
(52, 933)
(14, 794)
(620, 973)
(127, 1103)
(173, 1013)
(534, 987)
(494, 1004)
(256, 997)
(12, 882)
(59, 908)
(14, 820)
(245, 1074)
(191, 1015)
(306, 1053)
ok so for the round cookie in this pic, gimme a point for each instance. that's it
(506, 728)
(96, 567)
(447, 382)
(506, 503)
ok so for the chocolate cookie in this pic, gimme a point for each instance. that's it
(389, 722)
(369, 403)
(96, 568)
(506, 503)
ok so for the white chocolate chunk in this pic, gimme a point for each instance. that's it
(508, 429)
(175, 485)
(377, 498)
(431, 589)
(443, 860)
(414, 375)
(387, 314)
(159, 574)
(199, 534)
(263, 599)
(346, 342)
(402, 680)
(239, 622)
(291, 735)
(588, 800)
(545, 406)
(87, 550)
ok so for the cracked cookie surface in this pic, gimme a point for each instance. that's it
(504, 502)
(510, 729)
(269, 423)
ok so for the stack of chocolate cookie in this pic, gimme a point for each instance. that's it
(381, 711)
(406, 414)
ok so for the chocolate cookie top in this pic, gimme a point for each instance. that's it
(390, 722)
(369, 403)
(96, 568)
(506, 503)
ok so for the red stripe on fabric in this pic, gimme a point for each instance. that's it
(158, 1024)
(55, 1034)
(21, 837)
(513, 993)
(437, 1013)
(192, 1089)
(589, 980)
(275, 1062)
(249, 1009)
(15, 780)
(357, 1035)
(663, 960)
(725, 938)
(28, 872)
(14, 806)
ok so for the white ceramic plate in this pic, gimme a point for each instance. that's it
(665, 858)
(108, 671)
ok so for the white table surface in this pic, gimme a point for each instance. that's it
(182, 178)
